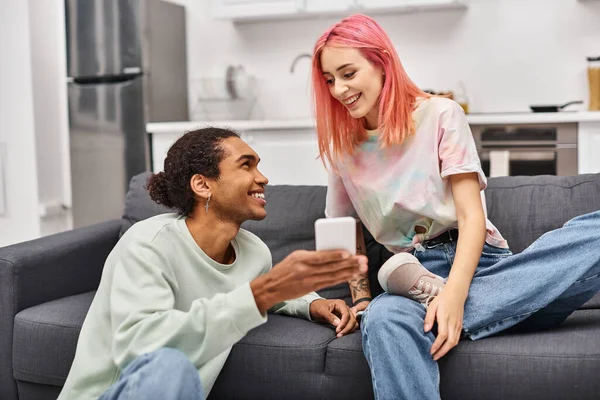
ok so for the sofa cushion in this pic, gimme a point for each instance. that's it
(347, 373)
(274, 359)
(138, 204)
(282, 359)
(561, 363)
(46, 337)
(594, 303)
(292, 358)
(525, 207)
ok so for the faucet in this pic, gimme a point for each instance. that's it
(298, 58)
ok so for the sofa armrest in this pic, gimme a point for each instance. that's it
(56, 266)
(46, 269)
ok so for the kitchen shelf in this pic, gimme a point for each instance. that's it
(412, 6)
(402, 7)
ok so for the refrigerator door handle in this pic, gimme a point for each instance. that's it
(107, 79)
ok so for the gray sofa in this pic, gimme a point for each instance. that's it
(47, 285)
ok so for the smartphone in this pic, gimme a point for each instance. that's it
(336, 234)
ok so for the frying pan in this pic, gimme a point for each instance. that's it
(553, 108)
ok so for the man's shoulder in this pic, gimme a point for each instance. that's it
(147, 239)
(147, 231)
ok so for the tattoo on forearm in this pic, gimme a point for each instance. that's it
(360, 287)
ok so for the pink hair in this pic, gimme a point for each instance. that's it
(337, 131)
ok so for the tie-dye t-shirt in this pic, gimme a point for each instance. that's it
(393, 190)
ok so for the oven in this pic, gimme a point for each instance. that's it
(509, 150)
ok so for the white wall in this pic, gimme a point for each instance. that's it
(20, 219)
(48, 56)
(508, 53)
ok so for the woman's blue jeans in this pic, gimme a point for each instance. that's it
(536, 289)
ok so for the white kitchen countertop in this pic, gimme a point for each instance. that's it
(308, 123)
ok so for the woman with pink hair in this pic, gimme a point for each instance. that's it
(405, 164)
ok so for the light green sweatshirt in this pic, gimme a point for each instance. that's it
(159, 289)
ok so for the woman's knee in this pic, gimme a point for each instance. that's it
(389, 310)
(592, 218)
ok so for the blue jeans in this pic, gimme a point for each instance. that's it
(164, 374)
(536, 289)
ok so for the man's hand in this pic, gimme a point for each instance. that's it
(335, 312)
(305, 271)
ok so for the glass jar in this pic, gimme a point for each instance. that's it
(460, 96)
(593, 71)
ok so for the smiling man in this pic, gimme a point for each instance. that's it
(179, 290)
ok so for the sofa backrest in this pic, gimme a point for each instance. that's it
(138, 204)
(525, 207)
(522, 208)
(291, 213)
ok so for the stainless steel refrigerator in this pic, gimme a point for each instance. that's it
(126, 62)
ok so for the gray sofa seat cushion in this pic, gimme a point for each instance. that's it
(560, 363)
(279, 358)
(593, 303)
(347, 374)
(554, 364)
(46, 337)
(282, 359)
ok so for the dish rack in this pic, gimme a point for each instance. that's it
(232, 96)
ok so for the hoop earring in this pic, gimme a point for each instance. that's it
(207, 200)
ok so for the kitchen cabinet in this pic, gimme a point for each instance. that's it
(330, 6)
(408, 5)
(261, 10)
(256, 9)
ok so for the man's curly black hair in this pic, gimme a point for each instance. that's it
(197, 152)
